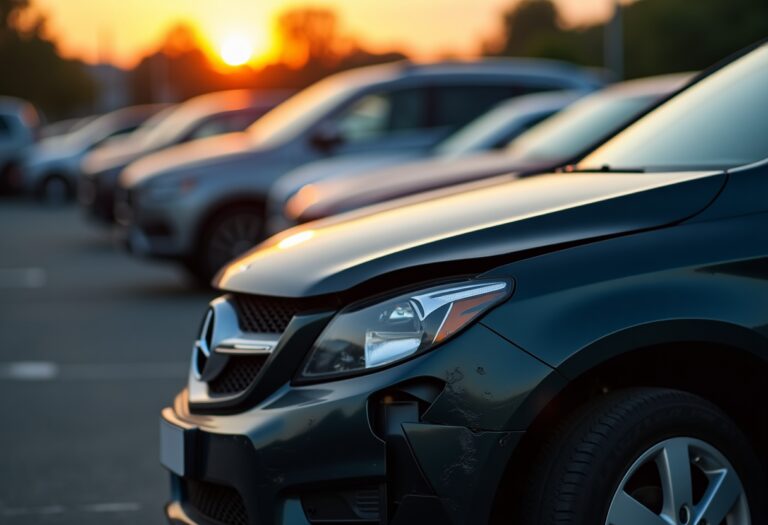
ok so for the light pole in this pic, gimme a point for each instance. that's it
(613, 42)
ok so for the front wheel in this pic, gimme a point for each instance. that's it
(647, 457)
(229, 234)
(55, 190)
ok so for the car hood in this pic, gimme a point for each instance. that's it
(191, 157)
(339, 195)
(336, 169)
(428, 239)
(114, 155)
(52, 150)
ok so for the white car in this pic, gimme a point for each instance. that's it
(19, 122)
(51, 167)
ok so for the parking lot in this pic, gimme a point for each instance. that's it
(94, 344)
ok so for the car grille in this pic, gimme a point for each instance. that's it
(259, 315)
(216, 502)
(237, 375)
(271, 315)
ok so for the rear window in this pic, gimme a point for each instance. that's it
(718, 123)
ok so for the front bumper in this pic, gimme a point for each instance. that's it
(430, 438)
(162, 231)
(96, 195)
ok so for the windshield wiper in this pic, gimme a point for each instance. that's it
(605, 168)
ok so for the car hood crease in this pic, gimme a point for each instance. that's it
(340, 253)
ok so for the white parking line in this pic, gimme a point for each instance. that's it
(49, 371)
(29, 371)
(22, 277)
(112, 507)
(47, 510)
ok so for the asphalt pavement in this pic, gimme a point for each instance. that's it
(93, 343)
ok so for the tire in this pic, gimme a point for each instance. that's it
(228, 234)
(55, 190)
(614, 449)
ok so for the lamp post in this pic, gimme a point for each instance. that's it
(613, 42)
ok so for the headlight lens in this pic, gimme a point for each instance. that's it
(361, 338)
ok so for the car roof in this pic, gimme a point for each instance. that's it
(537, 102)
(15, 106)
(236, 99)
(562, 72)
(649, 86)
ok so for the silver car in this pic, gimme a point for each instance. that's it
(19, 123)
(490, 131)
(199, 117)
(204, 204)
(558, 140)
(51, 167)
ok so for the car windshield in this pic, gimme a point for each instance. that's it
(97, 129)
(717, 123)
(301, 111)
(167, 127)
(477, 135)
(576, 128)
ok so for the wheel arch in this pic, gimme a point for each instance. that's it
(222, 205)
(656, 355)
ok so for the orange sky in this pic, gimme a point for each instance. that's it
(126, 29)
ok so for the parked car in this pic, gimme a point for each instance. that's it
(492, 130)
(582, 347)
(50, 169)
(203, 204)
(200, 117)
(555, 142)
(62, 127)
(19, 122)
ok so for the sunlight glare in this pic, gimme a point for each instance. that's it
(236, 50)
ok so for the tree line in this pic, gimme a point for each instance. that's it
(659, 36)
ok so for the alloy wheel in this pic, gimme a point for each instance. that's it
(232, 236)
(680, 481)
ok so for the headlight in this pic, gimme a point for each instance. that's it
(361, 338)
(164, 191)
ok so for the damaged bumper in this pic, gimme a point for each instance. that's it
(423, 442)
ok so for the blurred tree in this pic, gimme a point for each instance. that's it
(660, 36)
(526, 23)
(313, 46)
(309, 35)
(58, 86)
(663, 36)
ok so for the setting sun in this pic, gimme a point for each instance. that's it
(236, 50)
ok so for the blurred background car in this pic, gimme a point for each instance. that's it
(205, 204)
(200, 117)
(492, 130)
(62, 127)
(559, 140)
(19, 125)
(51, 167)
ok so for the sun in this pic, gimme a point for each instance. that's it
(236, 50)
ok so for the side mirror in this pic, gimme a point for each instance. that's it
(327, 137)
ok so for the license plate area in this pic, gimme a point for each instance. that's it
(176, 447)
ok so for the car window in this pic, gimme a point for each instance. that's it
(5, 126)
(719, 122)
(454, 106)
(224, 123)
(490, 131)
(302, 110)
(378, 114)
(578, 127)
